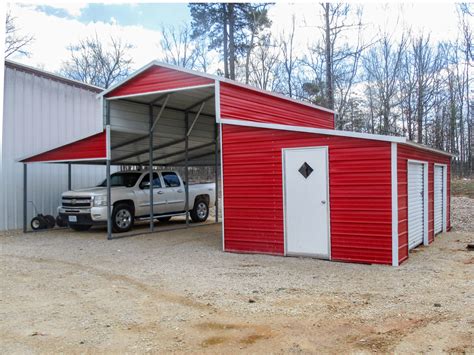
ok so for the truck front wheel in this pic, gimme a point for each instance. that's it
(122, 218)
(200, 211)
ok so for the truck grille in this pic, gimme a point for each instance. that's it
(72, 201)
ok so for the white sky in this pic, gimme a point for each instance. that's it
(53, 34)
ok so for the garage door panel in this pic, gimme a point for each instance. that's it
(438, 198)
(416, 206)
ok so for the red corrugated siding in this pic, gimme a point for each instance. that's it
(158, 78)
(360, 192)
(249, 105)
(93, 147)
(405, 153)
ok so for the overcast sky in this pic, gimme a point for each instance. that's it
(57, 25)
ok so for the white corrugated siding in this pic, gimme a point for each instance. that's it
(415, 204)
(40, 113)
(438, 199)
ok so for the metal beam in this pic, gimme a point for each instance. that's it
(191, 158)
(156, 147)
(167, 107)
(25, 198)
(150, 159)
(216, 171)
(182, 151)
(131, 141)
(195, 120)
(107, 173)
(152, 128)
(186, 168)
(199, 102)
(69, 176)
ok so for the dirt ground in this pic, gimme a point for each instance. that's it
(176, 291)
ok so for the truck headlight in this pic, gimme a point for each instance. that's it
(100, 201)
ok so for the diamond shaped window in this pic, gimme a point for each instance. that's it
(305, 170)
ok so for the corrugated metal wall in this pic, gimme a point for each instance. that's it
(250, 105)
(405, 153)
(359, 188)
(41, 113)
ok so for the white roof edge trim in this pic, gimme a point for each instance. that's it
(66, 161)
(56, 147)
(434, 150)
(323, 131)
(212, 77)
(12, 62)
(170, 91)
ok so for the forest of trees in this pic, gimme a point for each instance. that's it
(398, 82)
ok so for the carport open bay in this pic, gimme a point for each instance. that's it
(73, 292)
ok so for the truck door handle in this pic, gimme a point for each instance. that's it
(159, 192)
(323, 202)
(180, 191)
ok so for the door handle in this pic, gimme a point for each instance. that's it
(159, 192)
(323, 202)
(180, 191)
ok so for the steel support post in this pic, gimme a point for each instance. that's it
(186, 167)
(216, 170)
(107, 173)
(150, 167)
(69, 177)
(25, 198)
(109, 200)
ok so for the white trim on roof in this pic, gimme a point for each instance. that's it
(328, 132)
(333, 132)
(424, 147)
(212, 77)
(186, 88)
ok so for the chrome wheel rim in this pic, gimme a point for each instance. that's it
(123, 218)
(36, 224)
(201, 210)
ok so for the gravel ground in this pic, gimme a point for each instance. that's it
(463, 216)
(176, 291)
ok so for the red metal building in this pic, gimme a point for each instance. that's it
(291, 183)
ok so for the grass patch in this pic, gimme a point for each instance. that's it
(462, 187)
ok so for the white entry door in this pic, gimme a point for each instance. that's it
(438, 198)
(306, 202)
(416, 204)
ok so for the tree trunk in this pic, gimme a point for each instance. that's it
(225, 37)
(328, 55)
(231, 41)
(247, 59)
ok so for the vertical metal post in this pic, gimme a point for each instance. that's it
(216, 170)
(186, 167)
(25, 198)
(150, 167)
(69, 178)
(107, 172)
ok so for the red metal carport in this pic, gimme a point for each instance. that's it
(253, 135)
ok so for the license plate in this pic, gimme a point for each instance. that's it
(72, 218)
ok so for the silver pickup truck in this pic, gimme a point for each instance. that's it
(130, 192)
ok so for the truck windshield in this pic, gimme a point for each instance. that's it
(122, 179)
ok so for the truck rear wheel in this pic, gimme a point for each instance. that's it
(200, 211)
(122, 218)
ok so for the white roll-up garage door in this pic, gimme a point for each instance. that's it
(438, 198)
(415, 204)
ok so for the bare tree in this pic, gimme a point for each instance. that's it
(264, 64)
(289, 58)
(95, 63)
(14, 41)
(177, 46)
(382, 65)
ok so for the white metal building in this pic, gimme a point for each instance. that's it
(42, 110)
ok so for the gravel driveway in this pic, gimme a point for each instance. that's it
(176, 291)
